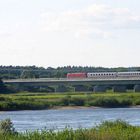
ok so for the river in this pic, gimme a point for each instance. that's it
(73, 118)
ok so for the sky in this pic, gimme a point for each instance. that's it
(70, 32)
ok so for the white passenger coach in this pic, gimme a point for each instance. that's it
(113, 74)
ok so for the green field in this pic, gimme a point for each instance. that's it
(36, 101)
(117, 130)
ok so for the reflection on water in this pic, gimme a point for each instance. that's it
(75, 118)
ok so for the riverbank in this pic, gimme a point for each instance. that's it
(39, 101)
(73, 107)
(117, 130)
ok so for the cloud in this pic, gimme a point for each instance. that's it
(95, 21)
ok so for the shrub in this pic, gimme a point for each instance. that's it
(66, 100)
(78, 101)
(6, 126)
(106, 102)
(126, 102)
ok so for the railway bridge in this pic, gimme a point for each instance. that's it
(79, 84)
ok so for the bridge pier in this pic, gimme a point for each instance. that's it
(119, 89)
(99, 89)
(137, 88)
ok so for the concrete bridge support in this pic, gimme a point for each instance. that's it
(137, 88)
(99, 89)
(119, 88)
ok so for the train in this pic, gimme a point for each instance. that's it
(104, 75)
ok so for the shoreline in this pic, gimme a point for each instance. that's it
(73, 107)
(87, 107)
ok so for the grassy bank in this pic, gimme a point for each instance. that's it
(34, 101)
(117, 130)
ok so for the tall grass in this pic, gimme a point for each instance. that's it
(117, 130)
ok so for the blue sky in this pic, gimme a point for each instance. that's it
(70, 32)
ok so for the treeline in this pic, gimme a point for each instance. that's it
(15, 72)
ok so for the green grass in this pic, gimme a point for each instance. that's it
(117, 130)
(32, 101)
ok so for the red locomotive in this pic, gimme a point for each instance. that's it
(77, 75)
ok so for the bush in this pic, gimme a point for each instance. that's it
(105, 102)
(6, 126)
(66, 100)
(78, 101)
(126, 102)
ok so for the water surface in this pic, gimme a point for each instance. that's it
(75, 118)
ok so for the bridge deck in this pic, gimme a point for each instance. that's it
(69, 80)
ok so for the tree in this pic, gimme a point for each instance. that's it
(28, 74)
(2, 87)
